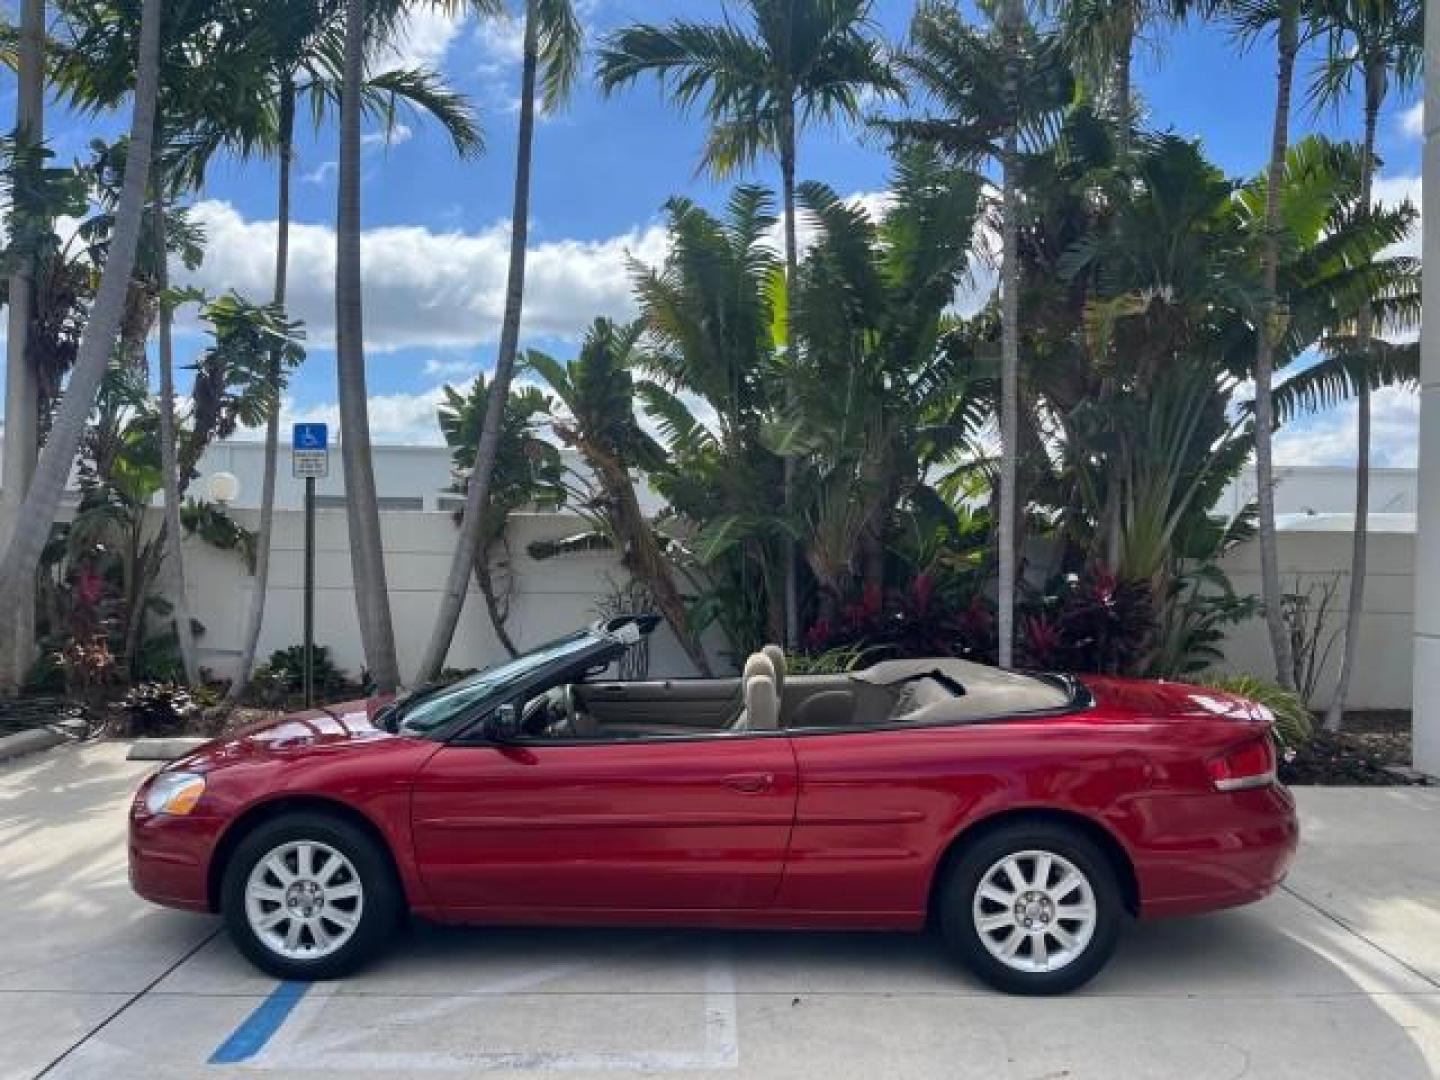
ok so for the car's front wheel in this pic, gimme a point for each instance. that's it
(309, 896)
(1032, 908)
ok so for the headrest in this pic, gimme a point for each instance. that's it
(758, 664)
(762, 704)
(777, 661)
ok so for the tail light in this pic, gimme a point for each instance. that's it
(1249, 765)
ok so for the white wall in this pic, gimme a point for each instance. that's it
(550, 598)
(1382, 678)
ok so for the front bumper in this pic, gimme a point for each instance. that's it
(1215, 850)
(170, 858)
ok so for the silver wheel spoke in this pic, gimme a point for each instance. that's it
(1011, 945)
(997, 895)
(272, 920)
(990, 923)
(276, 865)
(292, 935)
(348, 891)
(1043, 863)
(267, 892)
(1038, 953)
(305, 861)
(1065, 886)
(1013, 874)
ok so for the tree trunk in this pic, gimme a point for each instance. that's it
(791, 600)
(1124, 91)
(1270, 587)
(642, 554)
(1010, 340)
(22, 388)
(173, 537)
(1364, 327)
(486, 583)
(367, 556)
(256, 618)
(42, 498)
(477, 498)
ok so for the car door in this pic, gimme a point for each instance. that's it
(678, 824)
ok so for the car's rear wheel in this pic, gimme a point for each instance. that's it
(309, 896)
(1032, 908)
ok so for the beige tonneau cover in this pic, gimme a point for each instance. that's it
(987, 691)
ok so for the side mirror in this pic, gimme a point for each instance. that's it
(503, 725)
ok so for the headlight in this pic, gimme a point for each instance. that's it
(174, 793)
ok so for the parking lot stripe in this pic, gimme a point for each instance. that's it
(259, 1027)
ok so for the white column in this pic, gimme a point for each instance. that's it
(1427, 540)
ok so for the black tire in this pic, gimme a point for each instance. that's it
(957, 899)
(380, 908)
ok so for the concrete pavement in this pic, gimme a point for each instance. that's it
(1336, 976)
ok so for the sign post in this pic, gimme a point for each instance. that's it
(310, 460)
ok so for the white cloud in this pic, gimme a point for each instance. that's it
(1333, 438)
(395, 135)
(321, 174)
(500, 42)
(425, 288)
(1391, 191)
(451, 369)
(1412, 121)
(424, 41)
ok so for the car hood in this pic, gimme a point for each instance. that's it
(333, 727)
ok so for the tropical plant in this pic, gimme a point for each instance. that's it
(1289, 21)
(1308, 607)
(22, 388)
(597, 392)
(527, 473)
(991, 88)
(42, 498)
(550, 55)
(799, 62)
(362, 509)
(1374, 42)
(1293, 722)
(305, 55)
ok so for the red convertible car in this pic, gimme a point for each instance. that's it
(1023, 815)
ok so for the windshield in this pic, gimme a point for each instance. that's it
(428, 709)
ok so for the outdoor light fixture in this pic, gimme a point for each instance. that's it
(224, 487)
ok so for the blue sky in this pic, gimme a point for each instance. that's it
(436, 228)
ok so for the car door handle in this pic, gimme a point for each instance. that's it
(751, 783)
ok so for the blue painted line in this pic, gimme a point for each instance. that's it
(260, 1026)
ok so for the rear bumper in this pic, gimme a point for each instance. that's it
(1216, 850)
(170, 859)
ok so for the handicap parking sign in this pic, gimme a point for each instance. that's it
(310, 451)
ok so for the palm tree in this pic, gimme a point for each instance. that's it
(22, 393)
(995, 89)
(1373, 42)
(367, 554)
(303, 54)
(528, 472)
(802, 61)
(42, 498)
(550, 57)
(1100, 36)
(599, 422)
(1288, 19)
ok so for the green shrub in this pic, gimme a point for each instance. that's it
(1293, 722)
(283, 676)
(155, 708)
